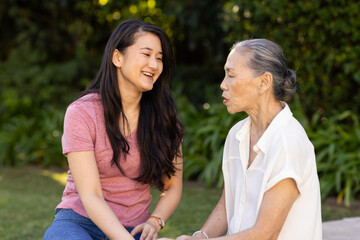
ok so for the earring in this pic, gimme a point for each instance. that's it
(259, 91)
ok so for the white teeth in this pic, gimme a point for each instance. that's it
(148, 74)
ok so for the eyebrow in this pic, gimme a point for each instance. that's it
(227, 69)
(150, 49)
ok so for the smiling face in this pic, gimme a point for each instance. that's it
(240, 85)
(140, 65)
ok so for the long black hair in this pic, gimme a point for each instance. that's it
(160, 132)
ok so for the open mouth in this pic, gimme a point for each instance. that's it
(225, 100)
(149, 75)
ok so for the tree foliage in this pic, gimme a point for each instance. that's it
(51, 49)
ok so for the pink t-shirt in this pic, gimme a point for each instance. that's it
(84, 130)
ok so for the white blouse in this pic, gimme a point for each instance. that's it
(283, 151)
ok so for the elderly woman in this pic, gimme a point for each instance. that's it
(271, 183)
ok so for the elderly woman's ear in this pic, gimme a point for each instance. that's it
(266, 82)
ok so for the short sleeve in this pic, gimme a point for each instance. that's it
(292, 161)
(79, 130)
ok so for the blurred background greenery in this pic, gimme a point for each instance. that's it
(50, 50)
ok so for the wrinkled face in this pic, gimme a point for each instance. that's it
(240, 86)
(141, 64)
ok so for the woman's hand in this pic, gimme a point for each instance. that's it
(149, 230)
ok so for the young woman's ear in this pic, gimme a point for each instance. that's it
(117, 58)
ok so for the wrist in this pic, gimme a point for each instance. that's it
(159, 221)
(200, 233)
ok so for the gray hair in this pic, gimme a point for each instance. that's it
(266, 56)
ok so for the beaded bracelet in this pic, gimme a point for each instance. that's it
(202, 232)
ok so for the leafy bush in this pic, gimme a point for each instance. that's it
(337, 140)
(32, 109)
(52, 49)
(320, 40)
(34, 140)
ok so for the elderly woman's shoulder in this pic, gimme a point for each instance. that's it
(294, 127)
(294, 134)
(239, 125)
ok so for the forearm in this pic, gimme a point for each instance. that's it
(168, 202)
(170, 198)
(248, 234)
(273, 212)
(103, 216)
(216, 224)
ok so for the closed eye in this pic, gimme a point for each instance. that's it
(228, 75)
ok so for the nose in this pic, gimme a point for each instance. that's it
(153, 63)
(223, 85)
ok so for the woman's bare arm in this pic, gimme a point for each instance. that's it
(87, 181)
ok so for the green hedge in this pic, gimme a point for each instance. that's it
(320, 39)
(52, 49)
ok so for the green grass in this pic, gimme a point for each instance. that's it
(28, 197)
(27, 202)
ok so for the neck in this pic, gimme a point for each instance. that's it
(263, 114)
(131, 106)
(130, 102)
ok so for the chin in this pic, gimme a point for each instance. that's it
(230, 111)
(146, 89)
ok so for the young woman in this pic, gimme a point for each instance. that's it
(120, 138)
